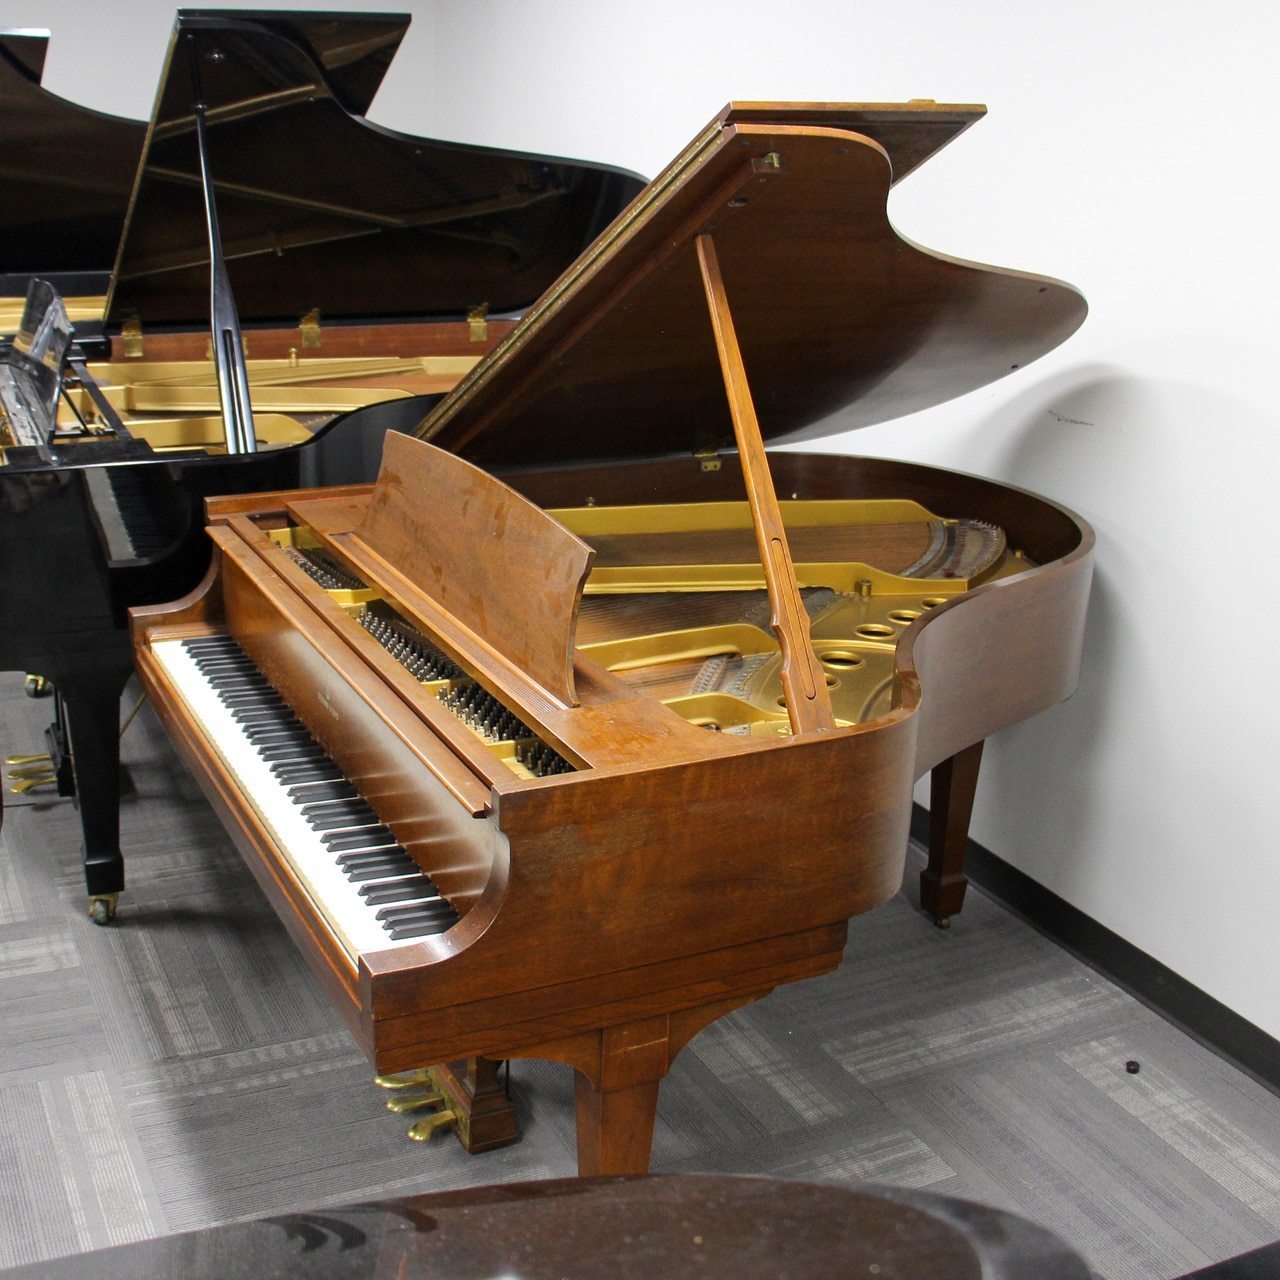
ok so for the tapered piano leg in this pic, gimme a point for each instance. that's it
(615, 1128)
(952, 786)
(93, 728)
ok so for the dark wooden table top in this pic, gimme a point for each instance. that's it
(664, 1227)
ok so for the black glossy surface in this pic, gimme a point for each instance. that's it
(642, 1228)
(319, 208)
(64, 601)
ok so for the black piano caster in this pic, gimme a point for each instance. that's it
(36, 687)
(102, 907)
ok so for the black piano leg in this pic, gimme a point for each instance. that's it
(952, 785)
(92, 708)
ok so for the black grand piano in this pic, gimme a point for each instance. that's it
(291, 283)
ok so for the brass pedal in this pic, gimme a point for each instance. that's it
(418, 1090)
(25, 784)
(414, 1102)
(36, 758)
(425, 1129)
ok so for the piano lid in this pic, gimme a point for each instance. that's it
(321, 209)
(66, 171)
(834, 311)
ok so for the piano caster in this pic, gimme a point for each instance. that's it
(102, 907)
(36, 687)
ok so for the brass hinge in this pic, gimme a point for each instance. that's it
(131, 337)
(478, 323)
(709, 458)
(310, 327)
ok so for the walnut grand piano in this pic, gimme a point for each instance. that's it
(591, 721)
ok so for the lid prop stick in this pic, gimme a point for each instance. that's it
(803, 681)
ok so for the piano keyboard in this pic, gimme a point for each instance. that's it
(370, 891)
(125, 514)
(490, 720)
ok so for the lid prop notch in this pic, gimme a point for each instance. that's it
(803, 681)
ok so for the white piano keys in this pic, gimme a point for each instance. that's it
(360, 926)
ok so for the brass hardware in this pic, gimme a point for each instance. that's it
(102, 907)
(425, 1129)
(414, 1079)
(293, 357)
(770, 162)
(34, 758)
(34, 770)
(478, 323)
(414, 1102)
(35, 686)
(30, 784)
(310, 327)
(419, 1089)
(708, 459)
(862, 587)
(131, 338)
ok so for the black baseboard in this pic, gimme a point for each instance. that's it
(1157, 986)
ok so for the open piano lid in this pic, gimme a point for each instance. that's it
(834, 312)
(65, 176)
(319, 209)
(66, 171)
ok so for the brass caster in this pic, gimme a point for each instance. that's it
(425, 1129)
(36, 687)
(944, 923)
(102, 907)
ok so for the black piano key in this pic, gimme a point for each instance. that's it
(414, 913)
(340, 822)
(299, 753)
(365, 838)
(307, 771)
(358, 875)
(412, 888)
(403, 933)
(385, 855)
(306, 793)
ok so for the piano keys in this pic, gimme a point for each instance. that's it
(648, 719)
(371, 271)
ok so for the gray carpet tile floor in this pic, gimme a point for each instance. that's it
(181, 1068)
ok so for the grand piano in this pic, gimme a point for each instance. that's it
(350, 274)
(592, 720)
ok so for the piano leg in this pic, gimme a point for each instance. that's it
(619, 1071)
(92, 707)
(615, 1128)
(951, 789)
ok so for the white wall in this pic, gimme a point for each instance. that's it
(1131, 150)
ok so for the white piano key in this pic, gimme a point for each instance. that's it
(353, 921)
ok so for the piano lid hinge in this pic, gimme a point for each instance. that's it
(709, 458)
(478, 323)
(770, 162)
(131, 338)
(309, 325)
